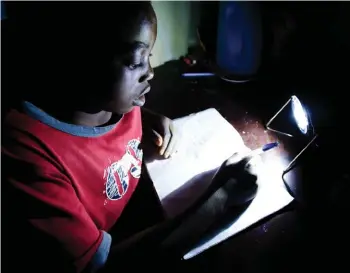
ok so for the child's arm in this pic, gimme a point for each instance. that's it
(233, 185)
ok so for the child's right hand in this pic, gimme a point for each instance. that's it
(237, 177)
(234, 184)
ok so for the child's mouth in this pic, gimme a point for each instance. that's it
(139, 101)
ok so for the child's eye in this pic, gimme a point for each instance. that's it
(133, 66)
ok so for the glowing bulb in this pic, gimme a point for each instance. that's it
(300, 115)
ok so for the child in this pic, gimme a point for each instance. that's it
(71, 146)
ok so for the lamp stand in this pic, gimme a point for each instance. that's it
(292, 163)
(273, 118)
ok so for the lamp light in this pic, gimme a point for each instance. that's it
(303, 122)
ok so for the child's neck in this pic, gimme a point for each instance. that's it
(77, 117)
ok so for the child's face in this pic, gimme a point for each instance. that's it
(131, 68)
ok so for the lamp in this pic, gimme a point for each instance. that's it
(303, 122)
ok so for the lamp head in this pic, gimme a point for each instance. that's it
(300, 115)
(302, 121)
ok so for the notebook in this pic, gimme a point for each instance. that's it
(207, 140)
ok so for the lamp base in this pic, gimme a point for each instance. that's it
(291, 165)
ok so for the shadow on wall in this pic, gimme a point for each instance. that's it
(177, 23)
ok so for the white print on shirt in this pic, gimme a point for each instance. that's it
(117, 174)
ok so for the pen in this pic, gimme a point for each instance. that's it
(264, 148)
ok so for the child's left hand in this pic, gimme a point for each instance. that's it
(160, 131)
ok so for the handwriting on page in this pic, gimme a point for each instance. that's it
(207, 140)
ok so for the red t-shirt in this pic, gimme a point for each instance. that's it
(70, 182)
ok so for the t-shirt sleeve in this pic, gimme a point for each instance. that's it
(49, 204)
(99, 260)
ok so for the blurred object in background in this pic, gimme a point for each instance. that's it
(239, 39)
(177, 23)
(279, 22)
(3, 14)
(207, 29)
(242, 39)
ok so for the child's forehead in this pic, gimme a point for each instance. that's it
(139, 30)
(139, 38)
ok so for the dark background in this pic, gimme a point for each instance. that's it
(309, 59)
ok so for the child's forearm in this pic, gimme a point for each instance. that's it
(170, 239)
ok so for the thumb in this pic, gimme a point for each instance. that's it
(156, 138)
(239, 158)
(254, 165)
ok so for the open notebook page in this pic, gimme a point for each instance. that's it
(208, 140)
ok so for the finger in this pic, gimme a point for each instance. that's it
(254, 161)
(233, 158)
(152, 136)
(171, 147)
(156, 138)
(240, 191)
(241, 158)
(250, 177)
(174, 140)
(253, 165)
(244, 162)
(239, 155)
(165, 143)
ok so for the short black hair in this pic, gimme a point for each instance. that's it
(45, 40)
